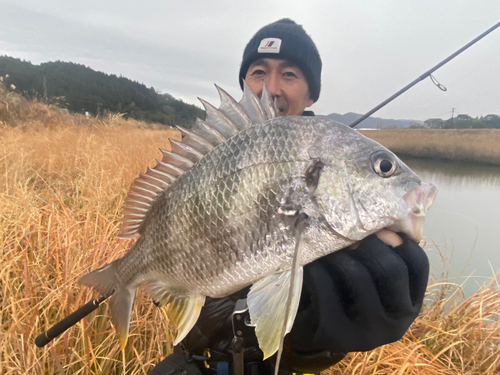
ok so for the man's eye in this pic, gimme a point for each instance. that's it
(258, 72)
(290, 74)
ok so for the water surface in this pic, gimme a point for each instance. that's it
(464, 222)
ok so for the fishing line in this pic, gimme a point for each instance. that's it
(402, 133)
(441, 114)
(478, 68)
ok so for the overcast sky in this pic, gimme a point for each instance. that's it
(370, 49)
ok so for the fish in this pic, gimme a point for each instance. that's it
(249, 198)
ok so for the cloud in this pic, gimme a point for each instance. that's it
(369, 49)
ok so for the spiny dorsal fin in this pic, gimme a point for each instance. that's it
(221, 123)
(267, 102)
(176, 159)
(169, 168)
(252, 105)
(195, 141)
(204, 130)
(233, 110)
(185, 150)
(218, 120)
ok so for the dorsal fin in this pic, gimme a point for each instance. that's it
(233, 110)
(267, 102)
(221, 123)
(195, 141)
(183, 149)
(204, 130)
(169, 168)
(176, 160)
(252, 106)
(218, 120)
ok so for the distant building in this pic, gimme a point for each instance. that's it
(491, 121)
(434, 123)
(489, 118)
(463, 118)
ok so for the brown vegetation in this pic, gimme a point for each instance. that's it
(453, 335)
(459, 145)
(62, 186)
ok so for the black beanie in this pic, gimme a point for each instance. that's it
(288, 41)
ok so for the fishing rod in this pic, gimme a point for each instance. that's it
(73, 318)
(424, 76)
(47, 336)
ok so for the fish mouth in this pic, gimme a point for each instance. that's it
(418, 202)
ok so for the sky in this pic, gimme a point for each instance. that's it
(370, 49)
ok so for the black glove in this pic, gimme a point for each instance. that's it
(352, 300)
(357, 300)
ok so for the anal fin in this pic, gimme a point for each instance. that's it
(182, 308)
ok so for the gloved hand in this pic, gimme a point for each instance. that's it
(352, 300)
(357, 300)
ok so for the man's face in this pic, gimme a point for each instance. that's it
(284, 80)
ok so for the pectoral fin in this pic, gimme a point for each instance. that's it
(273, 301)
(267, 304)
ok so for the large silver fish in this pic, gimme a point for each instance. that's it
(249, 198)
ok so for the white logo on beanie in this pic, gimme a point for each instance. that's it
(269, 45)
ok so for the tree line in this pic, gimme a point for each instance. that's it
(491, 121)
(81, 89)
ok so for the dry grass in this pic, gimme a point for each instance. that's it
(452, 336)
(462, 145)
(62, 185)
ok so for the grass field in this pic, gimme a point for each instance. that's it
(63, 180)
(459, 145)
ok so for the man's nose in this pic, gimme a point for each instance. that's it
(273, 85)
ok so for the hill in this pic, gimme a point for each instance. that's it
(373, 122)
(81, 89)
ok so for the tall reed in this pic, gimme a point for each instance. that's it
(457, 145)
(63, 180)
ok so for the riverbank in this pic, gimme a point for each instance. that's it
(480, 146)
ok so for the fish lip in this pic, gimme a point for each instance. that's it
(418, 202)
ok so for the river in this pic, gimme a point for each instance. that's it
(462, 230)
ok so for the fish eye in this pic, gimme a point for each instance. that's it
(384, 164)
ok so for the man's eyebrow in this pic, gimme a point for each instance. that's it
(260, 62)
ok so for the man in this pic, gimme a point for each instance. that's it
(353, 299)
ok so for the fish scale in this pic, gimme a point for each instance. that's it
(266, 196)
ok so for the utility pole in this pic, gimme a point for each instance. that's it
(44, 83)
(452, 115)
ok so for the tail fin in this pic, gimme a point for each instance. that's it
(105, 281)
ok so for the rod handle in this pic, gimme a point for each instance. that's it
(73, 318)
